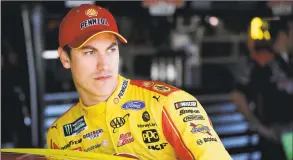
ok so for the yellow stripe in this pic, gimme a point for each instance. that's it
(63, 153)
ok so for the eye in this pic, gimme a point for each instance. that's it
(89, 52)
(111, 50)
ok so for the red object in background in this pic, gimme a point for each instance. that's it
(276, 3)
(21, 156)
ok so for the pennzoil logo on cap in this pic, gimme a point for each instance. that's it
(91, 12)
(92, 22)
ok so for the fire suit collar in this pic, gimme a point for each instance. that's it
(115, 98)
(119, 92)
(93, 110)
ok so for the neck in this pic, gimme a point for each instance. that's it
(90, 99)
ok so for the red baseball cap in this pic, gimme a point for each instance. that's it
(84, 22)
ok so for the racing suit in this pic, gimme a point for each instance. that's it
(142, 119)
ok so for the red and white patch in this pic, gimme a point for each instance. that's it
(124, 139)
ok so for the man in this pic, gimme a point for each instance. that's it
(268, 86)
(115, 115)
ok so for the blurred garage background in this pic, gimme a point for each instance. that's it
(199, 46)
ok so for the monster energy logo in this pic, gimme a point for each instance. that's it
(74, 127)
(68, 131)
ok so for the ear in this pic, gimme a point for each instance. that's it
(64, 58)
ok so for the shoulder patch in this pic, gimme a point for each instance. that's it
(158, 87)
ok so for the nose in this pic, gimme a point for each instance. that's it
(103, 63)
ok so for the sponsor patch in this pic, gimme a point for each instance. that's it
(161, 88)
(199, 128)
(75, 127)
(183, 104)
(146, 116)
(71, 143)
(123, 89)
(133, 105)
(92, 22)
(91, 12)
(209, 139)
(158, 146)
(104, 143)
(193, 117)
(158, 87)
(125, 139)
(94, 134)
(199, 142)
(150, 136)
(121, 92)
(116, 100)
(118, 122)
(156, 98)
(189, 111)
(146, 125)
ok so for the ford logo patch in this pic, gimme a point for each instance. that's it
(133, 105)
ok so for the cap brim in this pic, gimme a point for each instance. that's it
(80, 41)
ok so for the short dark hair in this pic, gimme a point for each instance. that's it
(67, 49)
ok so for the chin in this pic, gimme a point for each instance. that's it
(103, 90)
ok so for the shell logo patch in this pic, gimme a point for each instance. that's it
(148, 84)
(91, 12)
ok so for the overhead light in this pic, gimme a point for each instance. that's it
(50, 54)
(71, 4)
(214, 21)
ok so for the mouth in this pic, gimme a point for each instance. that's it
(102, 77)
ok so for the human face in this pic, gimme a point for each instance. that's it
(94, 66)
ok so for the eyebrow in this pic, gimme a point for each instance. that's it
(93, 48)
(113, 45)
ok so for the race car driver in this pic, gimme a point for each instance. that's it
(119, 116)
